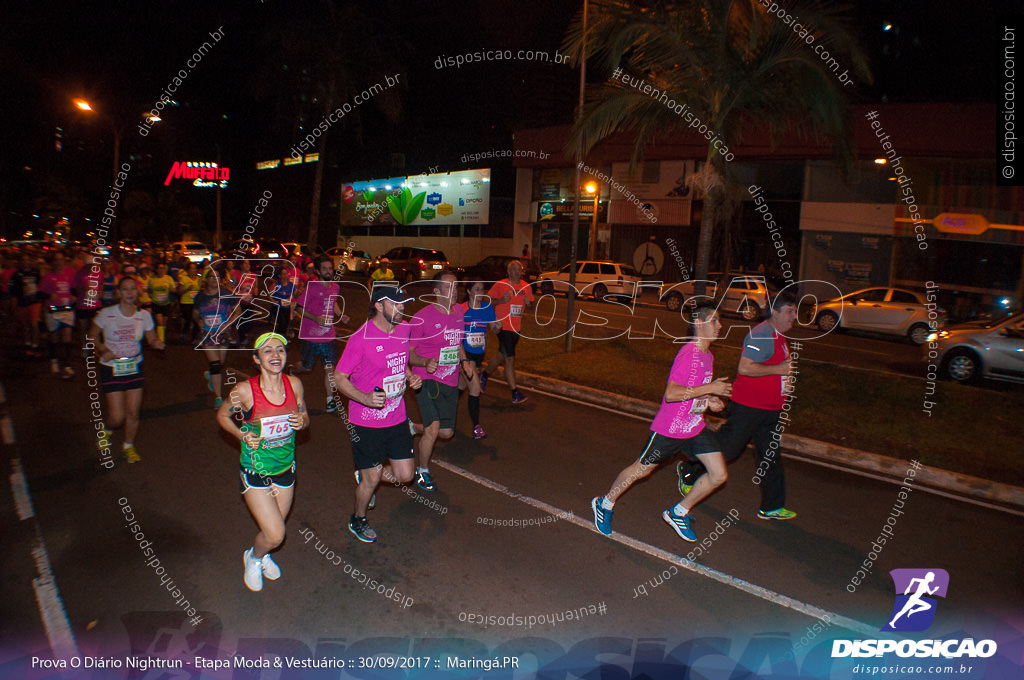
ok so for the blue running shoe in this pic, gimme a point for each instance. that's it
(424, 481)
(602, 517)
(681, 525)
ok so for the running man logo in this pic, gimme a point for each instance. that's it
(914, 609)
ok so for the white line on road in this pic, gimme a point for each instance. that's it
(664, 555)
(22, 498)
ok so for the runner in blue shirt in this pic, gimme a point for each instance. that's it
(479, 315)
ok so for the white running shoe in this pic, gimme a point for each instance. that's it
(270, 568)
(253, 571)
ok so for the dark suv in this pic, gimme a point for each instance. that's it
(415, 264)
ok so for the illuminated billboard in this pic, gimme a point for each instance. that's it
(461, 197)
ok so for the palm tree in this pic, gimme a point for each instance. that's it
(731, 64)
(335, 55)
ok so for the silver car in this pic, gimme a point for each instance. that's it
(893, 311)
(742, 294)
(992, 348)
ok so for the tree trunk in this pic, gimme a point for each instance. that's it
(318, 183)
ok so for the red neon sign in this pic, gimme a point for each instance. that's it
(202, 174)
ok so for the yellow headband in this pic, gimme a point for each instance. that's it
(262, 340)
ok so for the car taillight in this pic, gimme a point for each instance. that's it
(422, 264)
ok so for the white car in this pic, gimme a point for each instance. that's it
(594, 278)
(893, 311)
(193, 250)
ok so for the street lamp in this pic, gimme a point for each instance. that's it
(86, 106)
(592, 190)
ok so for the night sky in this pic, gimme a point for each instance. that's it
(249, 98)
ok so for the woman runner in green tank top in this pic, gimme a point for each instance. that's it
(273, 408)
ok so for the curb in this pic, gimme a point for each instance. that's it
(839, 456)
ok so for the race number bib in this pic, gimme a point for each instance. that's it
(476, 339)
(274, 428)
(515, 310)
(449, 356)
(129, 366)
(62, 315)
(699, 406)
(394, 386)
(787, 384)
(212, 320)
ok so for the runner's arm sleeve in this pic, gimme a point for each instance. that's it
(758, 350)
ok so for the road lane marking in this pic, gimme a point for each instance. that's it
(19, 487)
(664, 555)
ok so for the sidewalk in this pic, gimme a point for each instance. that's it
(959, 485)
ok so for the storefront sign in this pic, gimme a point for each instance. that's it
(203, 174)
(961, 223)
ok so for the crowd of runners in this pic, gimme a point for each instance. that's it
(59, 300)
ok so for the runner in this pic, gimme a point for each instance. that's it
(59, 314)
(318, 308)
(282, 293)
(383, 271)
(373, 373)
(88, 288)
(760, 391)
(512, 295)
(122, 327)
(25, 289)
(679, 427)
(211, 312)
(161, 289)
(189, 285)
(142, 273)
(273, 409)
(479, 316)
(436, 355)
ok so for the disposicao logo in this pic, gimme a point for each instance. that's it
(914, 610)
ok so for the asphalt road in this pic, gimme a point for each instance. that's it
(759, 583)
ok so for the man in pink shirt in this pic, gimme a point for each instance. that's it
(436, 339)
(319, 309)
(679, 427)
(373, 373)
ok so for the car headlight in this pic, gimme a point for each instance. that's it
(941, 335)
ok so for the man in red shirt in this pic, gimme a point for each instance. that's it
(510, 297)
(762, 387)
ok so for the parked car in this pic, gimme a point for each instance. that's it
(302, 249)
(745, 295)
(357, 262)
(987, 348)
(892, 311)
(495, 268)
(596, 278)
(193, 250)
(414, 264)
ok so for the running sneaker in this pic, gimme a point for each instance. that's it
(361, 528)
(270, 568)
(602, 517)
(130, 454)
(332, 405)
(253, 571)
(424, 481)
(373, 499)
(681, 525)
(209, 385)
(412, 427)
(217, 402)
(478, 432)
(684, 488)
(483, 382)
(54, 366)
(781, 513)
(518, 397)
(69, 373)
(103, 438)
